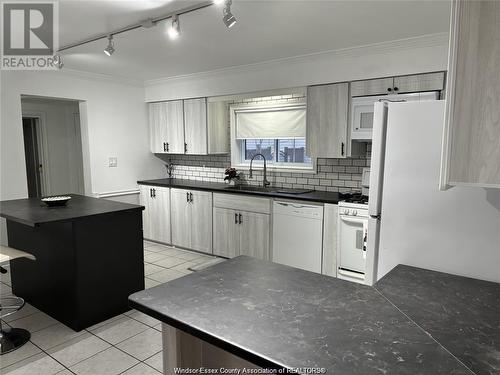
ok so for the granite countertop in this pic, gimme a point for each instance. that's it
(460, 313)
(32, 211)
(278, 316)
(313, 196)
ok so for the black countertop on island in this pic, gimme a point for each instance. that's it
(282, 317)
(313, 196)
(33, 212)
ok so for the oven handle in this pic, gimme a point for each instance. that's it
(356, 221)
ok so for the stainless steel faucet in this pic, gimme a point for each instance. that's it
(170, 167)
(265, 183)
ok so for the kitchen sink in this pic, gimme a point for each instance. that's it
(253, 188)
(268, 189)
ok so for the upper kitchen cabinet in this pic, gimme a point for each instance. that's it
(327, 127)
(195, 125)
(399, 84)
(166, 123)
(188, 127)
(471, 142)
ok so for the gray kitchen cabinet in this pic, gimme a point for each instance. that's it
(327, 127)
(419, 82)
(195, 126)
(238, 230)
(156, 214)
(226, 232)
(188, 127)
(399, 84)
(191, 215)
(166, 123)
(254, 235)
(369, 87)
(471, 142)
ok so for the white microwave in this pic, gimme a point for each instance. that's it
(362, 111)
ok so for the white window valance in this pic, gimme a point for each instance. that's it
(271, 123)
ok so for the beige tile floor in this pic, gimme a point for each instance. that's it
(128, 344)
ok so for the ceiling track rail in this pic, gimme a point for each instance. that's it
(143, 24)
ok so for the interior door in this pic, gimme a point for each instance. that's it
(174, 126)
(160, 214)
(201, 221)
(145, 199)
(255, 235)
(226, 232)
(195, 121)
(180, 217)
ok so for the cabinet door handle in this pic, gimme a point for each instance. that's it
(396, 88)
(168, 147)
(187, 197)
(185, 147)
(164, 147)
(154, 193)
(151, 193)
(239, 219)
(191, 197)
(389, 89)
(235, 218)
(342, 149)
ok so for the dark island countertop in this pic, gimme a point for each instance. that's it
(313, 196)
(461, 313)
(33, 212)
(282, 317)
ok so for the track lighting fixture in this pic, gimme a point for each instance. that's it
(228, 17)
(110, 49)
(57, 59)
(175, 29)
(217, 2)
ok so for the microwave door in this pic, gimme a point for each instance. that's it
(362, 125)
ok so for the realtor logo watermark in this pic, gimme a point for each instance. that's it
(29, 35)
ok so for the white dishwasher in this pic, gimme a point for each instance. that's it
(298, 235)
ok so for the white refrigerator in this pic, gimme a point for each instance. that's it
(411, 221)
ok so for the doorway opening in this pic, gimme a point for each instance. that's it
(52, 146)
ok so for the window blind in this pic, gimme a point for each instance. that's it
(271, 123)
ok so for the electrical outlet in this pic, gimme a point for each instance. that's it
(113, 162)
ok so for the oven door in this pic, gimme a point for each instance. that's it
(352, 243)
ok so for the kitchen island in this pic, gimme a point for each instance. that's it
(250, 313)
(89, 257)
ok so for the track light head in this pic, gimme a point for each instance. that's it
(228, 18)
(110, 49)
(175, 28)
(218, 2)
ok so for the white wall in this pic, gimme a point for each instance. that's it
(416, 55)
(114, 123)
(61, 144)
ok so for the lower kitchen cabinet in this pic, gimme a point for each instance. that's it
(191, 213)
(156, 214)
(241, 233)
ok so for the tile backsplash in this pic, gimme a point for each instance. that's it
(331, 174)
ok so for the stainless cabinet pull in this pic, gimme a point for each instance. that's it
(154, 193)
(185, 147)
(151, 193)
(240, 221)
(164, 147)
(168, 147)
(191, 197)
(342, 151)
(187, 197)
(235, 218)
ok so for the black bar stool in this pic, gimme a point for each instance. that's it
(11, 338)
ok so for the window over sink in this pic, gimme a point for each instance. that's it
(276, 131)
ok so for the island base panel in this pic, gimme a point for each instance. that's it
(182, 350)
(85, 269)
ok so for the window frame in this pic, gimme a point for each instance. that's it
(238, 146)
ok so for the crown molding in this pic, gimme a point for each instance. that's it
(429, 40)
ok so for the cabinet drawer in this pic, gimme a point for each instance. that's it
(242, 203)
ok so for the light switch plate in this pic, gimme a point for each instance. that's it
(113, 162)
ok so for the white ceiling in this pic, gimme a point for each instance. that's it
(266, 30)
